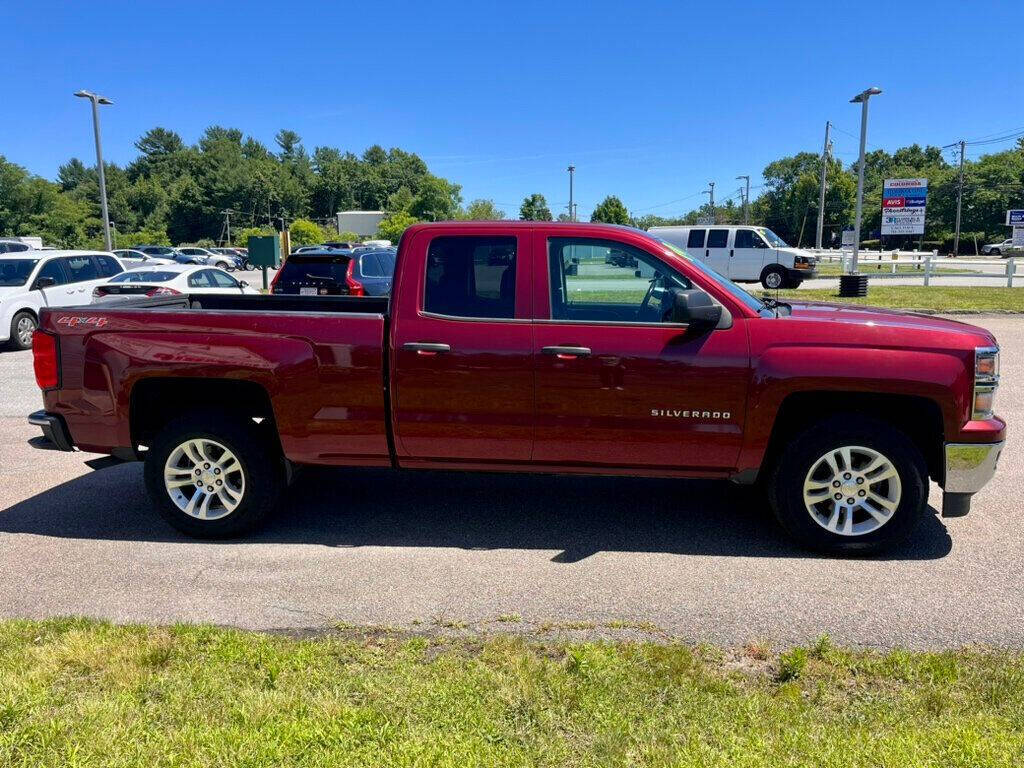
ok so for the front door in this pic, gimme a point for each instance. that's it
(748, 253)
(619, 385)
(463, 356)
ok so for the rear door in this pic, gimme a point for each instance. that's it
(716, 250)
(462, 354)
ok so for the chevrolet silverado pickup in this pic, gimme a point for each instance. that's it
(525, 347)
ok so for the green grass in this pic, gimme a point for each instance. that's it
(931, 298)
(77, 693)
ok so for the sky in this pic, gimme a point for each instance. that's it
(649, 100)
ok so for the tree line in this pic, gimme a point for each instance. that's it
(173, 192)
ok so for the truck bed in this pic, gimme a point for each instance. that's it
(317, 364)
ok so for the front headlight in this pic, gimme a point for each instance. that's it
(986, 381)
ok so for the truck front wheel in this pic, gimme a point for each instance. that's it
(849, 484)
(212, 476)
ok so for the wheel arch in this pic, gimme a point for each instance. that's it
(919, 417)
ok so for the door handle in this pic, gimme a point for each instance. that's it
(426, 347)
(731, 253)
(566, 352)
(707, 253)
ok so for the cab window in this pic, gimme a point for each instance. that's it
(200, 279)
(748, 238)
(600, 281)
(53, 269)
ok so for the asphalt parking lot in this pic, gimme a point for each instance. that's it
(412, 549)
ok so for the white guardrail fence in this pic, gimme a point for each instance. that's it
(925, 265)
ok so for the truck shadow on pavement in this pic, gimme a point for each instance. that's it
(572, 515)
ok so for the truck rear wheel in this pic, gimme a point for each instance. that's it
(849, 484)
(212, 476)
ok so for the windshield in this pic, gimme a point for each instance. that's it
(773, 240)
(145, 277)
(16, 271)
(734, 290)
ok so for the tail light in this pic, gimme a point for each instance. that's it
(355, 288)
(99, 292)
(277, 276)
(163, 291)
(44, 359)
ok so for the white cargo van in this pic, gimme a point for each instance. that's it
(743, 253)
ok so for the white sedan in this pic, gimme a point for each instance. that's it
(170, 281)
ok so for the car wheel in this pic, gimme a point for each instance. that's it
(212, 476)
(222, 265)
(23, 325)
(995, 252)
(773, 277)
(849, 485)
(246, 265)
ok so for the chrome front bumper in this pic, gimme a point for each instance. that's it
(969, 466)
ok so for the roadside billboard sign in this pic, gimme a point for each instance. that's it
(1018, 236)
(847, 238)
(1015, 218)
(903, 206)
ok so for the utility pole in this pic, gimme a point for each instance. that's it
(959, 201)
(711, 192)
(227, 224)
(826, 153)
(572, 206)
(96, 100)
(746, 198)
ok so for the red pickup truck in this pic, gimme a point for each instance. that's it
(524, 347)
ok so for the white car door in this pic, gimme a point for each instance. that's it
(716, 250)
(748, 255)
(80, 275)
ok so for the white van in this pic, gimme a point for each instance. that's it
(743, 253)
(31, 280)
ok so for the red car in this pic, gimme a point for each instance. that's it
(492, 354)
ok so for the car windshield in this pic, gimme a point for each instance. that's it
(16, 271)
(773, 240)
(149, 276)
(734, 290)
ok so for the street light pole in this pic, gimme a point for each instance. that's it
(959, 200)
(96, 100)
(862, 99)
(710, 191)
(572, 207)
(746, 199)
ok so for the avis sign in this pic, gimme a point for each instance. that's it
(903, 205)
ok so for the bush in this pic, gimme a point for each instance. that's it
(306, 232)
(242, 235)
(392, 227)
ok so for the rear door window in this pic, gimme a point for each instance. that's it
(80, 269)
(370, 265)
(696, 238)
(718, 238)
(471, 276)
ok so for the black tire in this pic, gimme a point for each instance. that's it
(786, 482)
(794, 282)
(262, 467)
(246, 265)
(774, 273)
(18, 322)
(995, 252)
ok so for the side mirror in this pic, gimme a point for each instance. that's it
(694, 308)
(43, 282)
(637, 274)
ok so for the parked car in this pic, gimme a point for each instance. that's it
(132, 258)
(210, 258)
(1005, 248)
(167, 252)
(31, 280)
(234, 254)
(327, 272)
(169, 281)
(744, 254)
(345, 245)
(840, 415)
(619, 258)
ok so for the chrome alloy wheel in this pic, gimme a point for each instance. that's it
(26, 325)
(204, 479)
(852, 491)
